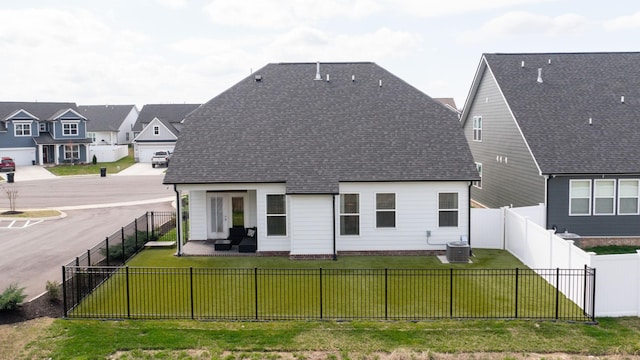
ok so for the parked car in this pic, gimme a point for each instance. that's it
(160, 158)
(7, 164)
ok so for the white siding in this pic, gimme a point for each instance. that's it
(416, 212)
(198, 215)
(147, 134)
(311, 224)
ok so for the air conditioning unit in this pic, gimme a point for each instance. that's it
(458, 252)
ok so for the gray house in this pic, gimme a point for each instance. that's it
(43, 133)
(157, 128)
(559, 129)
(325, 159)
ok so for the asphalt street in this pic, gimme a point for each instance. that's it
(95, 207)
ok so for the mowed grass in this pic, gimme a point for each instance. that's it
(90, 169)
(159, 285)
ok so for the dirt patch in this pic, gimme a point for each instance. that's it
(14, 337)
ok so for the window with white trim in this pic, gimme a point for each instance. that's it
(478, 183)
(448, 209)
(477, 128)
(72, 151)
(349, 214)
(156, 130)
(43, 127)
(604, 197)
(580, 197)
(628, 196)
(276, 215)
(385, 210)
(22, 128)
(69, 129)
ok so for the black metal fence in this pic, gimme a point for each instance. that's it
(282, 294)
(117, 248)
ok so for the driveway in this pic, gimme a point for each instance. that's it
(27, 173)
(95, 207)
(140, 169)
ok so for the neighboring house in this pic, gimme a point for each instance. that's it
(325, 158)
(110, 124)
(158, 127)
(559, 129)
(43, 133)
(449, 103)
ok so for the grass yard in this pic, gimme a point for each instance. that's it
(613, 249)
(90, 169)
(160, 285)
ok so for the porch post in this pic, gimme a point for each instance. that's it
(40, 154)
(56, 154)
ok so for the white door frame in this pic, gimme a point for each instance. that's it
(219, 220)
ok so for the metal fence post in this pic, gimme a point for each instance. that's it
(255, 281)
(88, 257)
(386, 294)
(191, 289)
(153, 226)
(557, 292)
(64, 292)
(321, 293)
(124, 256)
(516, 297)
(106, 241)
(593, 294)
(135, 225)
(128, 296)
(450, 292)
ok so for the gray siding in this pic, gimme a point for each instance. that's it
(591, 225)
(515, 179)
(8, 140)
(57, 130)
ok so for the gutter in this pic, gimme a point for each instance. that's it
(178, 220)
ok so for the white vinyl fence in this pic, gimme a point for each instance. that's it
(521, 231)
(107, 153)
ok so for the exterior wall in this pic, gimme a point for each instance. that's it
(311, 219)
(8, 140)
(510, 176)
(416, 213)
(147, 133)
(57, 130)
(104, 137)
(587, 225)
(197, 215)
(127, 126)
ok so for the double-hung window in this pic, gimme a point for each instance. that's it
(448, 209)
(580, 197)
(478, 183)
(69, 129)
(349, 214)
(604, 197)
(22, 128)
(477, 128)
(71, 152)
(385, 210)
(276, 215)
(628, 197)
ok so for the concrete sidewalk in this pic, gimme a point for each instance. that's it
(29, 172)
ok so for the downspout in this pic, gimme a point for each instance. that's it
(469, 218)
(546, 200)
(335, 255)
(178, 220)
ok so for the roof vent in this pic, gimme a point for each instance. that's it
(590, 121)
(318, 77)
(540, 75)
(257, 78)
(522, 64)
(622, 99)
(549, 61)
(328, 78)
(353, 78)
(380, 83)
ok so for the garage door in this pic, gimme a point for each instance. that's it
(21, 157)
(145, 152)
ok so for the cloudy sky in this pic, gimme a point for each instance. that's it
(176, 51)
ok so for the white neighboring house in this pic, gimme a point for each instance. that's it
(110, 124)
(325, 159)
(157, 128)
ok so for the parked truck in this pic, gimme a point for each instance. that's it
(160, 158)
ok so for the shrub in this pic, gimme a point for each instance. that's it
(94, 160)
(11, 297)
(53, 289)
(130, 247)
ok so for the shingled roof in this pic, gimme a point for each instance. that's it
(582, 118)
(168, 112)
(105, 117)
(281, 125)
(41, 110)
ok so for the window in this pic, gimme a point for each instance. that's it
(477, 128)
(71, 151)
(579, 197)
(276, 215)
(126, 138)
(604, 197)
(448, 209)
(92, 136)
(43, 127)
(69, 129)
(628, 197)
(478, 183)
(156, 130)
(22, 129)
(385, 210)
(349, 214)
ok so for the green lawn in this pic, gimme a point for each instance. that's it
(89, 169)
(613, 249)
(160, 285)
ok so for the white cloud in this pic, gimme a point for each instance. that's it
(435, 8)
(623, 23)
(172, 3)
(521, 23)
(281, 14)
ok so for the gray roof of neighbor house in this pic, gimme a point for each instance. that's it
(169, 112)
(582, 118)
(281, 125)
(105, 117)
(41, 110)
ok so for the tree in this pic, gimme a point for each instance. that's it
(12, 195)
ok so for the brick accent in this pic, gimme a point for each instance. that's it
(586, 242)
